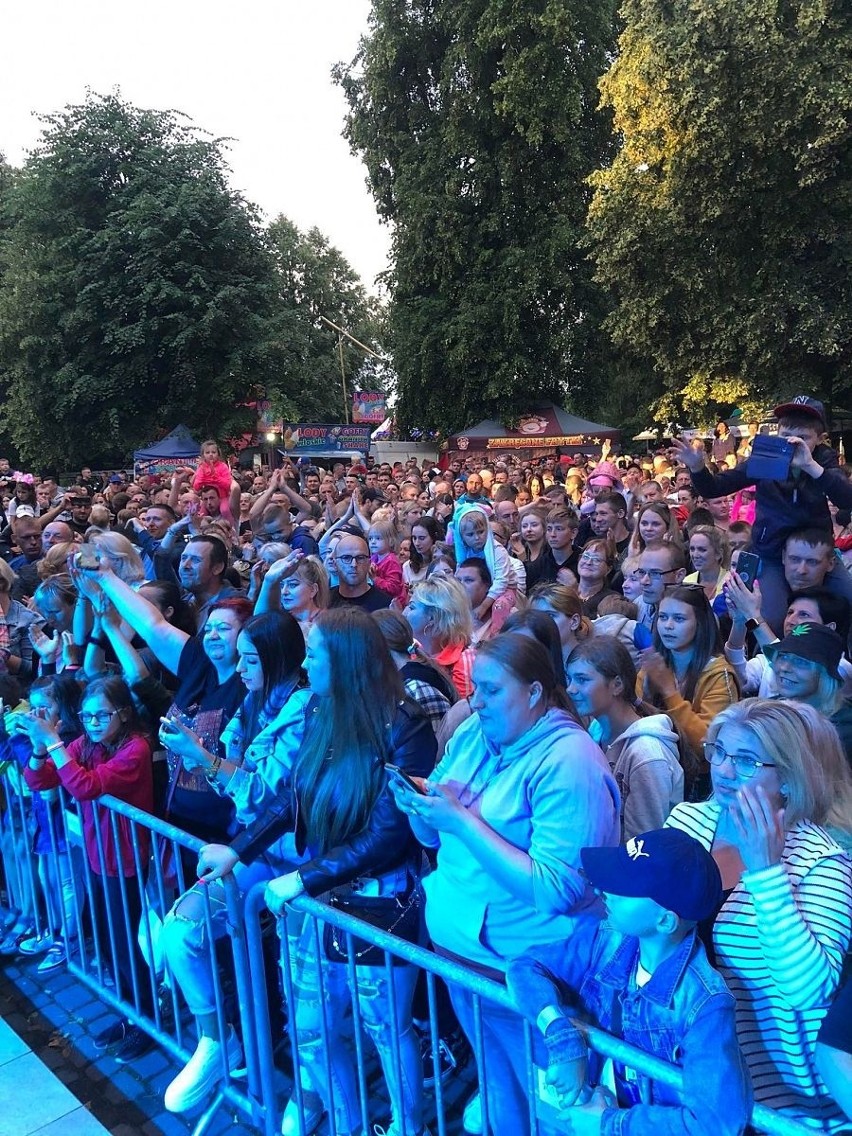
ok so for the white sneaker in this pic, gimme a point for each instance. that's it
(472, 1117)
(313, 1114)
(396, 1130)
(202, 1072)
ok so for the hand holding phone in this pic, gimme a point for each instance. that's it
(403, 781)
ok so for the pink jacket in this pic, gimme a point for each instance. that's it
(126, 774)
(387, 575)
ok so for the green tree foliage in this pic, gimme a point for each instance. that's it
(723, 227)
(476, 121)
(315, 281)
(137, 287)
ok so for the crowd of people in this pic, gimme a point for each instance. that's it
(581, 724)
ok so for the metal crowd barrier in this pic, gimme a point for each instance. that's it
(94, 950)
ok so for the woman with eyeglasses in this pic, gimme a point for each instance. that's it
(779, 781)
(806, 668)
(113, 757)
(593, 573)
(685, 673)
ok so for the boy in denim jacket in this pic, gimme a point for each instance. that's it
(642, 975)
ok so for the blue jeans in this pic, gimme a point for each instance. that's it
(505, 1078)
(187, 941)
(325, 1031)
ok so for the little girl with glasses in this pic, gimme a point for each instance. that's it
(112, 757)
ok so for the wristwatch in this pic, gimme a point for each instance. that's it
(753, 624)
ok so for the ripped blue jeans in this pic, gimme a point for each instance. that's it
(187, 940)
(324, 1027)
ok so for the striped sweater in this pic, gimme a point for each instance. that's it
(780, 939)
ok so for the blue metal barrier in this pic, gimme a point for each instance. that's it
(256, 1096)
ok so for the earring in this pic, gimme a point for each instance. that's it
(784, 790)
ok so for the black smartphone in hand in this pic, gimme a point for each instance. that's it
(402, 778)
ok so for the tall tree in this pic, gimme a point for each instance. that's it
(723, 227)
(476, 121)
(137, 287)
(316, 282)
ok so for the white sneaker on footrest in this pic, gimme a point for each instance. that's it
(202, 1072)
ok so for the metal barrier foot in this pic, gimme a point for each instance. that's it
(206, 1118)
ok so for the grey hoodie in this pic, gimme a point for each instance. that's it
(646, 765)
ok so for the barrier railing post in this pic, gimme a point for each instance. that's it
(256, 1097)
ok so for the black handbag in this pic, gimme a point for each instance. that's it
(396, 914)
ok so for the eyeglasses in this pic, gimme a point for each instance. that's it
(794, 661)
(99, 717)
(744, 763)
(655, 574)
(354, 558)
(272, 538)
(593, 559)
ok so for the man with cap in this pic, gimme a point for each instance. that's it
(798, 502)
(642, 974)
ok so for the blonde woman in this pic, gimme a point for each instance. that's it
(780, 781)
(710, 554)
(440, 617)
(120, 556)
(296, 584)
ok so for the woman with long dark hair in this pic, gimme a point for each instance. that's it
(640, 744)
(353, 841)
(425, 534)
(686, 674)
(259, 742)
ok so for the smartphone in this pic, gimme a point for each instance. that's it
(402, 778)
(748, 568)
(87, 556)
(642, 637)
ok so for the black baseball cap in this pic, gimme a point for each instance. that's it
(811, 641)
(665, 865)
(802, 404)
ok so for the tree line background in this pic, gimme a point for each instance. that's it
(636, 211)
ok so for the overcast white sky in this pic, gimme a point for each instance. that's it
(255, 70)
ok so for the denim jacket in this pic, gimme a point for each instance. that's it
(684, 1015)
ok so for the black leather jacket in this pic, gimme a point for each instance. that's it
(384, 843)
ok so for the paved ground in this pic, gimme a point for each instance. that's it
(57, 1017)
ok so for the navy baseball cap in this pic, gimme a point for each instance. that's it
(802, 404)
(665, 865)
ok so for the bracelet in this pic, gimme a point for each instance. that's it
(214, 768)
(98, 641)
(54, 746)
